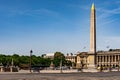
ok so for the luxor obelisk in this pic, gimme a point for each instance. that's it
(92, 53)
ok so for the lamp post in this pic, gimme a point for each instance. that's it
(110, 63)
(86, 60)
(118, 64)
(82, 63)
(30, 59)
(12, 62)
(61, 65)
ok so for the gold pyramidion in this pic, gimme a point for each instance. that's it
(93, 6)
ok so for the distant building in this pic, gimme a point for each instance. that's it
(48, 55)
(108, 59)
(81, 59)
(71, 57)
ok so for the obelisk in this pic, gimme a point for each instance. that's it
(93, 30)
(92, 53)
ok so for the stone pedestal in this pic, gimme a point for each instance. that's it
(52, 66)
(11, 68)
(1, 69)
(17, 68)
(90, 70)
(91, 67)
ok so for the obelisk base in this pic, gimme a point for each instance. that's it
(91, 68)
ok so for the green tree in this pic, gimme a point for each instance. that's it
(16, 58)
(58, 56)
(24, 59)
(68, 63)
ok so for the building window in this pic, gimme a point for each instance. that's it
(107, 58)
(104, 58)
(98, 58)
(116, 57)
(113, 58)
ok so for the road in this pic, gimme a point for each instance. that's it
(62, 76)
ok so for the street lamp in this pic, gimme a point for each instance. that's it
(118, 64)
(61, 65)
(82, 61)
(110, 63)
(86, 60)
(30, 59)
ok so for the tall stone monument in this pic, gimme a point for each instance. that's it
(93, 30)
(92, 54)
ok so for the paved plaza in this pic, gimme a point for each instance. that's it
(59, 76)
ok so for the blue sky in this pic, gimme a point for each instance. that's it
(47, 26)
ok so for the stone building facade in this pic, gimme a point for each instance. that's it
(109, 58)
(106, 59)
(71, 57)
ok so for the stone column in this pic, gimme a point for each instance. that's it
(106, 58)
(118, 57)
(109, 59)
(100, 60)
(97, 59)
(11, 68)
(115, 60)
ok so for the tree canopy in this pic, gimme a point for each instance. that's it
(58, 57)
(18, 60)
(6, 60)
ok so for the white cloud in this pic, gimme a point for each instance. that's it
(36, 12)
